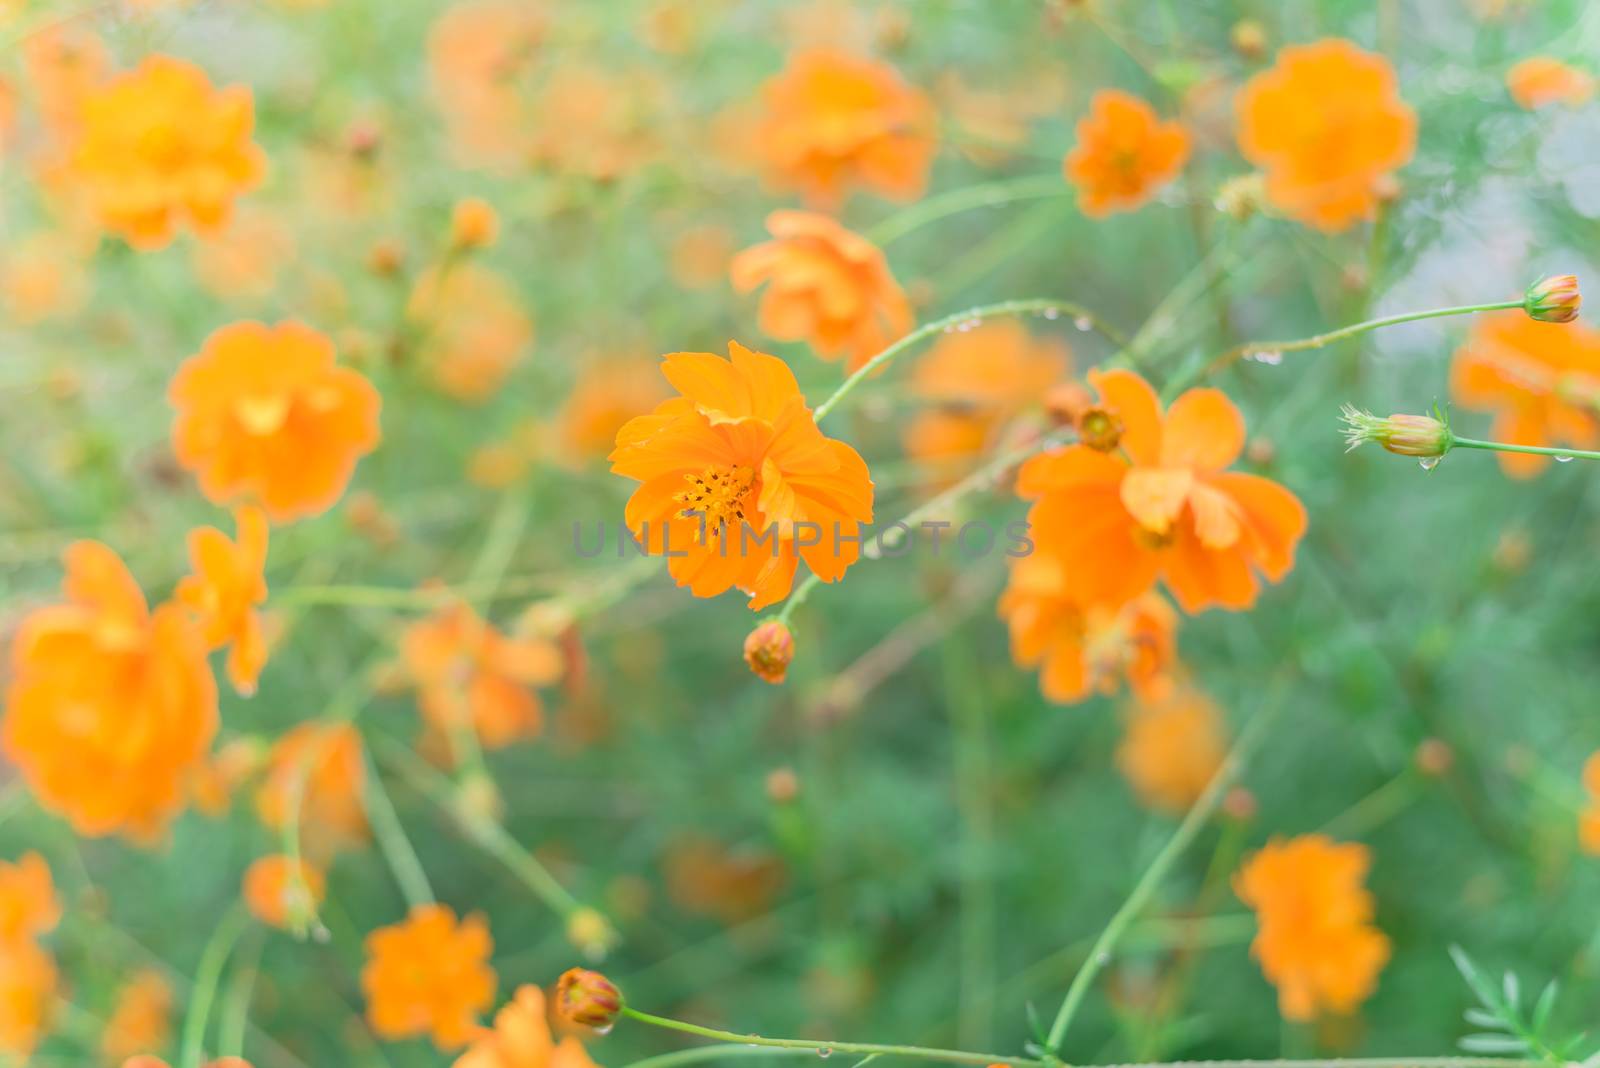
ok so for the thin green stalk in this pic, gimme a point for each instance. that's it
(1376, 808)
(207, 976)
(985, 195)
(236, 1003)
(923, 1052)
(1033, 306)
(1537, 450)
(1142, 891)
(708, 1053)
(969, 738)
(393, 842)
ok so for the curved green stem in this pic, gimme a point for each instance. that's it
(1536, 450)
(985, 195)
(392, 840)
(207, 977)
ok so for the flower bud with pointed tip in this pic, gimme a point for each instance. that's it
(1553, 300)
(587, 999)
(1407, 435)
(769, 650)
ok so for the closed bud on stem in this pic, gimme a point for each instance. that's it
(769, 650)
(474, 224)
(1553, 300)
(587, 999)
(1407, 435)
(1100, 429)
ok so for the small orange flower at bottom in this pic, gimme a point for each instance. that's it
(521, 1038)
(429, 975)
(1172, 747)
(141, 1018)
(1315, 939)
(225, 589)
(27, 990)
(1124, 153)
(282, 892)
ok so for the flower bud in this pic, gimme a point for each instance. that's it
(474, 224)
(1553, 300)
(587, 999)
(769, 650)
(1100, 429)
(1407, 435)
(1242, 196)
(1249, 38)
(1434, 757)
(590, 932)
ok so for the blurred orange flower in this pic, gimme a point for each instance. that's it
(1541, 381)
(1124, 153)
(708, 878)
(474, 328)
(1315, 940)
(27, 994)
(478, 54)
(1541, 80)
(159, 147)
(225, 589)
(42, 277)
(321, 764)
(145, 1060)
(111, 707)
(521, 1038)
(473, 223)
(244, 260)
(265, 413)
(1173, 744)
(594, 121)
(141, 1018)
(64, 64)
(825, 285)
(281, 891)
(737, 456)
(833, 121)
(216, 779)
(1589, 820)
(609, 391)
(1162, 504)
(470, 673)
(1327, 124)
(28, 903)
(429, 975)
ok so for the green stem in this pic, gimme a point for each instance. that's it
(392, 840)
(973, 773)
(706, 1053)
(207, 976)
(1537, 450)
(1033, 306)
(985, 195)
(951, 1055)
(1376, 808)
(1197, 817)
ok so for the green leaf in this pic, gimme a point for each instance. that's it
(1544, 1006)
(1493, 1044)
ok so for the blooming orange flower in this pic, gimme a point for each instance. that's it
(265, 412)
(832, 121)
(470, 673)
(27, 991)
(1172, 746)
(1314, 940)
(735, 459)
(521, 1038)
(1327, 124)
(1163, 504)
(322, 763)
(825, 285)
(28, 903)
(141, 1018)
(1541, 381)
(147, 1061)
(478, 54)
(159, 147)
(475, 329)
(1082, 649)
(1124, 153)
(111, 706)
(429, 974)
(224, 590)
(1541, 80)
(282, 891)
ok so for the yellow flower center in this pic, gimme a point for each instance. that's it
(719, 497)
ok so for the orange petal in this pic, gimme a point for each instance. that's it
(1155, 495)
(1203, 430)
(1136, 404)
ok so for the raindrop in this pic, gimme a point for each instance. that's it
(824, 1052)
(1083, 322)
(1270, 357)
(1428, 463)
(950, 329)
(1103, 958)
(1052, 313)
(1563, 459)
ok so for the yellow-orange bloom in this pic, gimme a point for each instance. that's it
(27, 991)
(1124, 153)
(1315, 939)
(141, 1018)
(429, 975)
(738, 483)
(321, 764)
(225, 589)
(159, 148)
(282, 891)
(111, 706)
(825, 285)
(28, 903)
(1172, 746)
(1327, 125)
(1541, 381)
(265, 413)
(521, 1038)
(474, 328)
(832, 121)
(1541, 80)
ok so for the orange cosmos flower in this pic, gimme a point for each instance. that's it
(474, 328)
(429, 974)
(281, 891)
(322, 763)
(609, 391)
(1541, 80)
(1172, 746)
(1315, 940)
(1083, 649)
(224, 590)
(1589, 820)
(738, 482)
(1327, 125)
(825, 285)
(521, 1038)
(1162, 504)
(141, 1018)
(1124, 153)
(158, 147)
(265, 412)
(111, 706)
(64, 64)
(27, 992)
(1541, 381)
(470, 673)
(28, 903)
(479, 52)
(832, 121)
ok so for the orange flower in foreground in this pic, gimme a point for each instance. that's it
(283, 892)
(1315, 940)
(1327, 124)
(474, 327)
(429, 975)
(1172, 746)
(832, 121)
(1124, 153)
(27, 993)
(738, 483)
(1541, 381)
(225, 589)
(111, 706)
(470, 673)
(1541, 80)
(159, 147)
(1162, 504)
(521, 1038)
(323, 764)
(265, 413)
(825, 285)
(1084, 649)
(28, 903)
(141, 1019)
